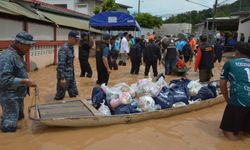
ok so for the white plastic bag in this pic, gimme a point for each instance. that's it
(125, 98)
(179, 104)
(152, 89)
(146, 86)
(111, 93)
(161, 82)
(194, 87)
(146, 103)
(104, 110)
(123, 87)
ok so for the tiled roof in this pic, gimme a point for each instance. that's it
(57, 9)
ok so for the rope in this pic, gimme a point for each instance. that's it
(35, 100)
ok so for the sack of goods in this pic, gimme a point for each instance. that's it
(147, 96)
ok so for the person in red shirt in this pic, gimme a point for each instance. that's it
(204, 60)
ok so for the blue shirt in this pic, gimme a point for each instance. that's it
(105, 52)
(117, 45)
(180, 45)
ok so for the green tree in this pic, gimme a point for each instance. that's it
(107, 5)
(147, 20)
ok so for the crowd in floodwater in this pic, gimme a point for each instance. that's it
(112, 53)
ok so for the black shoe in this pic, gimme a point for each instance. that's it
(89, 75)
(124, 64)
(82, 75)
(116, 68)
(72, 96)
(120, 63)
(10, 129)
(58, 98)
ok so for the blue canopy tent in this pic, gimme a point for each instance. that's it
(114, 21)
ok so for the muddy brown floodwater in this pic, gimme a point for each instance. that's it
(197, 130)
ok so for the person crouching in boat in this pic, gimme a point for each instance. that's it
(236, 115)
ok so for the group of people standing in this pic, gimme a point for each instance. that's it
(15, 83)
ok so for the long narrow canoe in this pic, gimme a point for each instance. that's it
(79, 113)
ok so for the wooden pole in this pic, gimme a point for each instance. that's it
(55, 46)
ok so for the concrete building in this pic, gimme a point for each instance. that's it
(221, 24)
(47, 23)
(173, 29)
(83, 6)
(244, 23)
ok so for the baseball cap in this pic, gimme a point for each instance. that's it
(74, 34)
(24, 38)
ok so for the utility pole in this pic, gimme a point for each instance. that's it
(214, 13)
(139, 6)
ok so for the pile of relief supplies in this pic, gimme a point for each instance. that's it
(148, 96)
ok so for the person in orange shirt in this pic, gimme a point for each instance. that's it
(204, 60)
(192, 43)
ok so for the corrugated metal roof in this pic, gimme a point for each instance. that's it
(16, 9)
(7, 11)
(69, 21)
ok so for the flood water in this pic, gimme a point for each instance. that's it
(198, 130)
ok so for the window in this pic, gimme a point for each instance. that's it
(61, 5)
(82, 5)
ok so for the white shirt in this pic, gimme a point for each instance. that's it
(124, 46)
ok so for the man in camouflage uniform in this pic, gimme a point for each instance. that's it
(14, 81)
(65, 69)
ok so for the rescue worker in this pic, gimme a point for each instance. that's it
(84, 49)
(170, 55)
(204, 60)
(14, 81)
(102, 60)
(135, 57)
(218, 50)
(65, 69)
(151, 54)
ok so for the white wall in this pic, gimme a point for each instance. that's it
(144, 31)
(244, 28)
(62, 34)
(173, 29)
(9, 29)
(82, 8)
(42, 55)
(41, 32)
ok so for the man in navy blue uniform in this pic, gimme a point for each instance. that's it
(102, 60)
(65, 69)
(84, 49)
(14, 81)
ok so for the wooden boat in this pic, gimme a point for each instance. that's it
(80, 113)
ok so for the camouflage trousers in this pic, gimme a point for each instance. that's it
(70, 87)
(12, 111)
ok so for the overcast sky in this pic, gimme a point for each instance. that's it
(166, 7)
